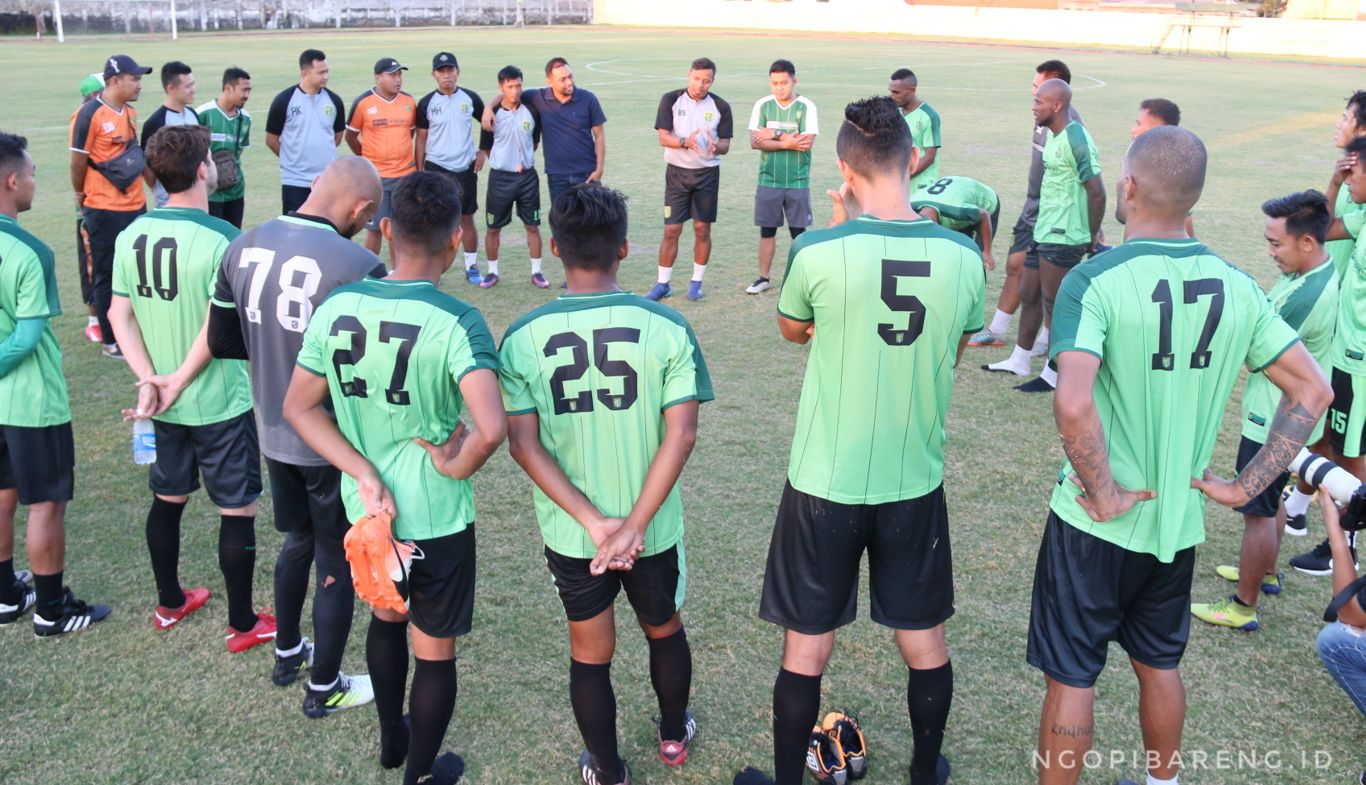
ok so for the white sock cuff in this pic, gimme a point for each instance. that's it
(666, 274)
(1000, 322)
(698, 270)
(1019, 355)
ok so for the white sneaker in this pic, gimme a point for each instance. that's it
(759, 286)
(348, 693)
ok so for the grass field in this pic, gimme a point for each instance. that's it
(128, 704)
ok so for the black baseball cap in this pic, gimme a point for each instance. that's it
(123, 64)
(444, 60)
(388, 65)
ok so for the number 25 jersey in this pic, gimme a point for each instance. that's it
(393, 353)
(1172, 323)
(599, 370)
(890, 301)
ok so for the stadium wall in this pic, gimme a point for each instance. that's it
(1308, 38)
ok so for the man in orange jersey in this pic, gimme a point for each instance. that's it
(106, 174)
(381, 127)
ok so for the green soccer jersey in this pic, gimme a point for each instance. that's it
(958, 200)
(1341, 250)
(785, 168)
(231, 134)
(599, 370)
(1309, 304)
(925, 135)
(33, 395)
(1069, 160)
(393, 354)
(166, 264)
(1349, 342)
(1171, 323)
(890, 300)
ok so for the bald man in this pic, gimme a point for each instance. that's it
(1071, 205)
(1148, 338)
(271, 280)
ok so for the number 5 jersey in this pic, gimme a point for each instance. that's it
(275, 276)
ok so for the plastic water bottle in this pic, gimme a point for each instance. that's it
(144, 442)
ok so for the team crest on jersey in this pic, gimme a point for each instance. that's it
(526, 126)
(327, 110)
(107, 127)
(708, 116)
(668, 210)
(466, 109)
(372, 110)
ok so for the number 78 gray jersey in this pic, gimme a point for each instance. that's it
(275, 275)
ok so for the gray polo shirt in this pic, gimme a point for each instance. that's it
(516, 133)
(307, 126)
(449, 121)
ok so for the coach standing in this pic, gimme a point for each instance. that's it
(445, 144)
(574, 144)
(303, 129)
(695, 127)
(381, 128)
(106, 173)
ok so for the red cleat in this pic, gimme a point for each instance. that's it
(164, 618)
(263, 632)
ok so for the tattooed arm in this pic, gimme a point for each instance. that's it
(1083, 439)
(1305, 394)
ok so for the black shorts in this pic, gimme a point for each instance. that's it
(441, 585)
(307, 498)
(654, 586)
(1267, 503)
(465, 180)
(1347, 415)
(292, 197)
(232, 211)
(40, 463)
(1022, 241)
(226, 452)
(1088, 592)
(505, 188)
(811, 581)
(1065, 256)
(691, 194)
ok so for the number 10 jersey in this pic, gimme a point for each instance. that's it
(275, 275)
(393, 353)
(599, 370)
(890, 301)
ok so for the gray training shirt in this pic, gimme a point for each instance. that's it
(516, 133)
(307, 126)
(275, 275)
(450, 121)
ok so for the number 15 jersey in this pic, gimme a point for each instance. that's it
(275, 275)
(1172, 323)
(393, 353)
(890, 301)
(599, 370)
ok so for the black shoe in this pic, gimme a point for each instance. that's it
(752, 776)
(393, 744)
(22, 598)
(941, 770)
(1295, 525)
(72, 615)
(446, 770)
(288, 669)
(588, 769)
(1320, 560)
(1035, 385)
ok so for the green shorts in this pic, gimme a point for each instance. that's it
(1347, 414)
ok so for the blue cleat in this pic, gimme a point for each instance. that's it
(659, 292)
(694, 290)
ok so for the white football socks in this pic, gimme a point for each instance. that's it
(1000, 323)
(471, 259)
(535, 266)
(1049, 375)
(493, 267)
(698, 270)
(1017, 363)
(666, 274)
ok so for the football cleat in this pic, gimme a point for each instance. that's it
(347, 692)
(93, 334)
(25, 599)
(539, 281)
(588, 769)
(489, 281)
(289, 668)
(658, 292)
(473, 275)
(694, 290)
(164, 618)
(984, 339)
(760, 285)
(825, 758)
(72, 615)
(446, 770)
(674, 753)
(263, 631)
(1272, 582)
(844, 728)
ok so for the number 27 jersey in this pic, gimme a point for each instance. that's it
(393, 353)
(599, 370)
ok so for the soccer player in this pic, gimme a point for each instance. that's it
(782, 127)
(695, 129)
(892, 298)
(90, 87)
(164, 271)
(605, 531)
(177, 80)
(1154, 113)
(108, 194)
(1149, 338)
(227, 119)
(401, 360)
(446, 118)
(303, 129)
(1306, 297)
(511, 152)
(1071, 206)
(271, 281)
(963, 205)
(1021, 286)
(383, 121)
(37, 453)
(924, 124)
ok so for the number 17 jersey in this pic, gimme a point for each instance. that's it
(890, 301)
(393, 353)
(599, 370)
(1172, 323)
